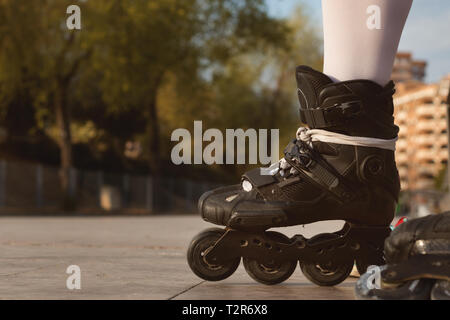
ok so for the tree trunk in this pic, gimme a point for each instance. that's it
(153, 131)
(65, 144)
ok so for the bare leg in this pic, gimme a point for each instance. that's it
(361, 37)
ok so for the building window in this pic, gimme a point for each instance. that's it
(426, 175)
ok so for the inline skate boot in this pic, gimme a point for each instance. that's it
(418, 263)
(341, 167)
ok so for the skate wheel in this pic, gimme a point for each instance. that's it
(326, 274)
(362, 265)
(273, 273)
(197, 263)
(374, 257)
(441, 290)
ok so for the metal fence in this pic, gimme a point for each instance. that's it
(25, 185)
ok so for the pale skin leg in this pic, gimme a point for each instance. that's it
(361, 37)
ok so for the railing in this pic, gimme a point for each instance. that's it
(24, 185)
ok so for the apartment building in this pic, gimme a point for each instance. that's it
(422, 148)
(407, 69)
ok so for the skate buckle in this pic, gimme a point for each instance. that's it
(305, 160)
(302, 158)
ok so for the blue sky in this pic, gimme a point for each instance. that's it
(426, 34)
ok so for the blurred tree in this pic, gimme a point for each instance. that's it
(17, 80)
(441, 179)
(144, 44)
(254, 88)
(138, 69)
(42, 57)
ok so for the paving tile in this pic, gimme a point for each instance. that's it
(129, 258)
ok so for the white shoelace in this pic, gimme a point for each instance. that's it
(310, 135)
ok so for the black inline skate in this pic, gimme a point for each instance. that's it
(341, 168)
(418, 263)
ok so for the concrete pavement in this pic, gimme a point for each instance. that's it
(129, 258)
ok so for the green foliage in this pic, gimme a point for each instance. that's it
(139, 69)
(439, 181)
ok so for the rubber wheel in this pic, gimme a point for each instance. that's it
(275, 272)
(325, 275)
(376, 259)
(197, 263)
